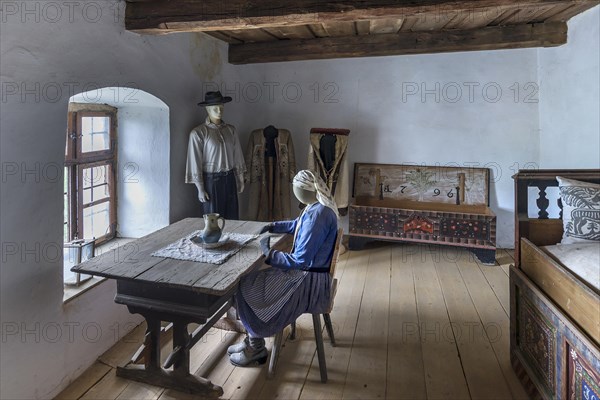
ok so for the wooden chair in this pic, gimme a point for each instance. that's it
(316, 321)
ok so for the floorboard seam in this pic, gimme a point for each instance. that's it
(362, 294)
(493, 291)
(312, 360)
(96, 382)
(486, 333)
(387, 347)
(450, 319)
(412, 265)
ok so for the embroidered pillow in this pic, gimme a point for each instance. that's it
(581, 210)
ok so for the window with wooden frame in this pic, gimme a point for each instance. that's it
(90, 173)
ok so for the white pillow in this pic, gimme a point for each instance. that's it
(581, 210)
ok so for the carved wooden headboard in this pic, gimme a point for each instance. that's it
(541, 229)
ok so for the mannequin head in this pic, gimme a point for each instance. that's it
(310, 188)
(305, 196)
(215, 113)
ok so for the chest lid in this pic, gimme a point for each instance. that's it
(421, 183)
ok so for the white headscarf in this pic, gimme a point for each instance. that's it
(310, 181)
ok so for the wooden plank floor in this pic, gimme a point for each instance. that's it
(411, 322)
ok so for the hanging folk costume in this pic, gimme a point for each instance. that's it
(327, 156)
(215, 163)
(271, 167)
(298, 282)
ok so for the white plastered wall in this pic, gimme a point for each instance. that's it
(570, 97)
(442, 109)
(45, 58)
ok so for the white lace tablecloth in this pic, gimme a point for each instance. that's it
(185, 249)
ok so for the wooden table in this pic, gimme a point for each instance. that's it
(180, 292)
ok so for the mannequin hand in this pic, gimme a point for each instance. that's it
(265, 245)
(239, 182)
(265, 229)
(203, 196)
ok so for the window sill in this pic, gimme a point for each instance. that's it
(71, 292)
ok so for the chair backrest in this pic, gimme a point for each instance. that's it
(336, 251)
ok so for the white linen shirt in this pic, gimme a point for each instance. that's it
(214, 148)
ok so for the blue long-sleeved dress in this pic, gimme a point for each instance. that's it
(299, 282)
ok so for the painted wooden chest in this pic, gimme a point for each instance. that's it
(427, 204)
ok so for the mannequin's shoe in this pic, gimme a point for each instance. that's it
(238, 347)
(249, 357)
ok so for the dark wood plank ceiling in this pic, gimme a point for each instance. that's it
(270, 30)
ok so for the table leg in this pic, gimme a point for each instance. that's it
(152, 342)
(181, 340)
(179, 378)
(180, 307)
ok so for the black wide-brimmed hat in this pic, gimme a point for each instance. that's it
(214, 98)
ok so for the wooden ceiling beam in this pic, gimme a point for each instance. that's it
(401, 43)
(164, 16)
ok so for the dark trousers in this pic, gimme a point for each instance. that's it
(222, 190)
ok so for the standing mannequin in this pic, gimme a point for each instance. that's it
(215, 162)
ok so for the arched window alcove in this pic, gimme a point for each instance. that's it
(117, 166)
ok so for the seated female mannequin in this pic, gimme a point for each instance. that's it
(298, 282)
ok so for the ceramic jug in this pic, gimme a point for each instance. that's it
(212, 231)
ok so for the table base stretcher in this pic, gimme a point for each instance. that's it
(180, 307)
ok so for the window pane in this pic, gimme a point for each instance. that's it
(96, 221)
(86, 138)
(88, 177)
(66, 205)
(95, 176)
(95, 193)
(66, 196)
(87, 196)
(100, 192)
(66, 208)
(101, 219)
(95, 134)
(66, 219)
(100, 175)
